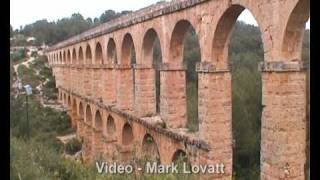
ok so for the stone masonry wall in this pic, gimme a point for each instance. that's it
(128, 92)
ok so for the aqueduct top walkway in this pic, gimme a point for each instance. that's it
(106, 77)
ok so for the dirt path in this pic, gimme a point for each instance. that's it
(45, 103)
(15, 67)
(26, 63)
(54, 104)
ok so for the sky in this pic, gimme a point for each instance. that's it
(24, 12)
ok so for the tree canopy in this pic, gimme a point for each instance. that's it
(55, 31)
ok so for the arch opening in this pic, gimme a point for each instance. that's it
(191, 56)
(98, 121)
(179, 154)
(74, 56)
(180, 158)
(88, 115)
(88, 55)
(60, 58)
(74, 107)
(295, 29)
(128, 54)
(185, 47)
(68, 57)
(127, 134)
(152, 54)
(150, 150)
(81, 113)
(69, 101)
(74, 112)
(223, 32)
(60, 96)
(241, 45)
(111, 52)
(128, 58)
(80, 58)
(98, 53)
(296, 47)
(111, 126)
(177, 40)
(64, 57)
(64, 98)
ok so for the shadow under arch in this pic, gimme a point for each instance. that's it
(81, 112)
(295, 28)
(88, 55)
(64, 57)
(222, 34)
(80, 56)
(60, 57)
(55, 58)
(179, 154)
(74, 56)
(68, 57)
(98, 54)
(88, 119)
(64, 98)
(111, 126)
(150, 151)
(74, 112)
(88, 135)
(246, 86)
(98, 121)
(180, 158)
(152, 56)
(150, 38)
(112, 52)
(177, 40)
(127, 134)
(185, 48)
(128, 54)
(69, 101)
(74, 106)
(127, 74)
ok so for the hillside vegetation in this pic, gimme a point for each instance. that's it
(53, 32)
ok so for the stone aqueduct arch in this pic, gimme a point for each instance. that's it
(102, 79)
(150, 149)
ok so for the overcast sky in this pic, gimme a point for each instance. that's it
(23, 12)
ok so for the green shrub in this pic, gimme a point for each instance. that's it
(45, 123)
(34, 54)
(18, 55)
(50, 91)
(29, 76)
(32, 160)
(38, 63)
(73, 146)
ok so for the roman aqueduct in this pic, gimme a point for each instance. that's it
(113, 104)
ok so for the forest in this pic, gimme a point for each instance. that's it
(53, 32)
(245, 52)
